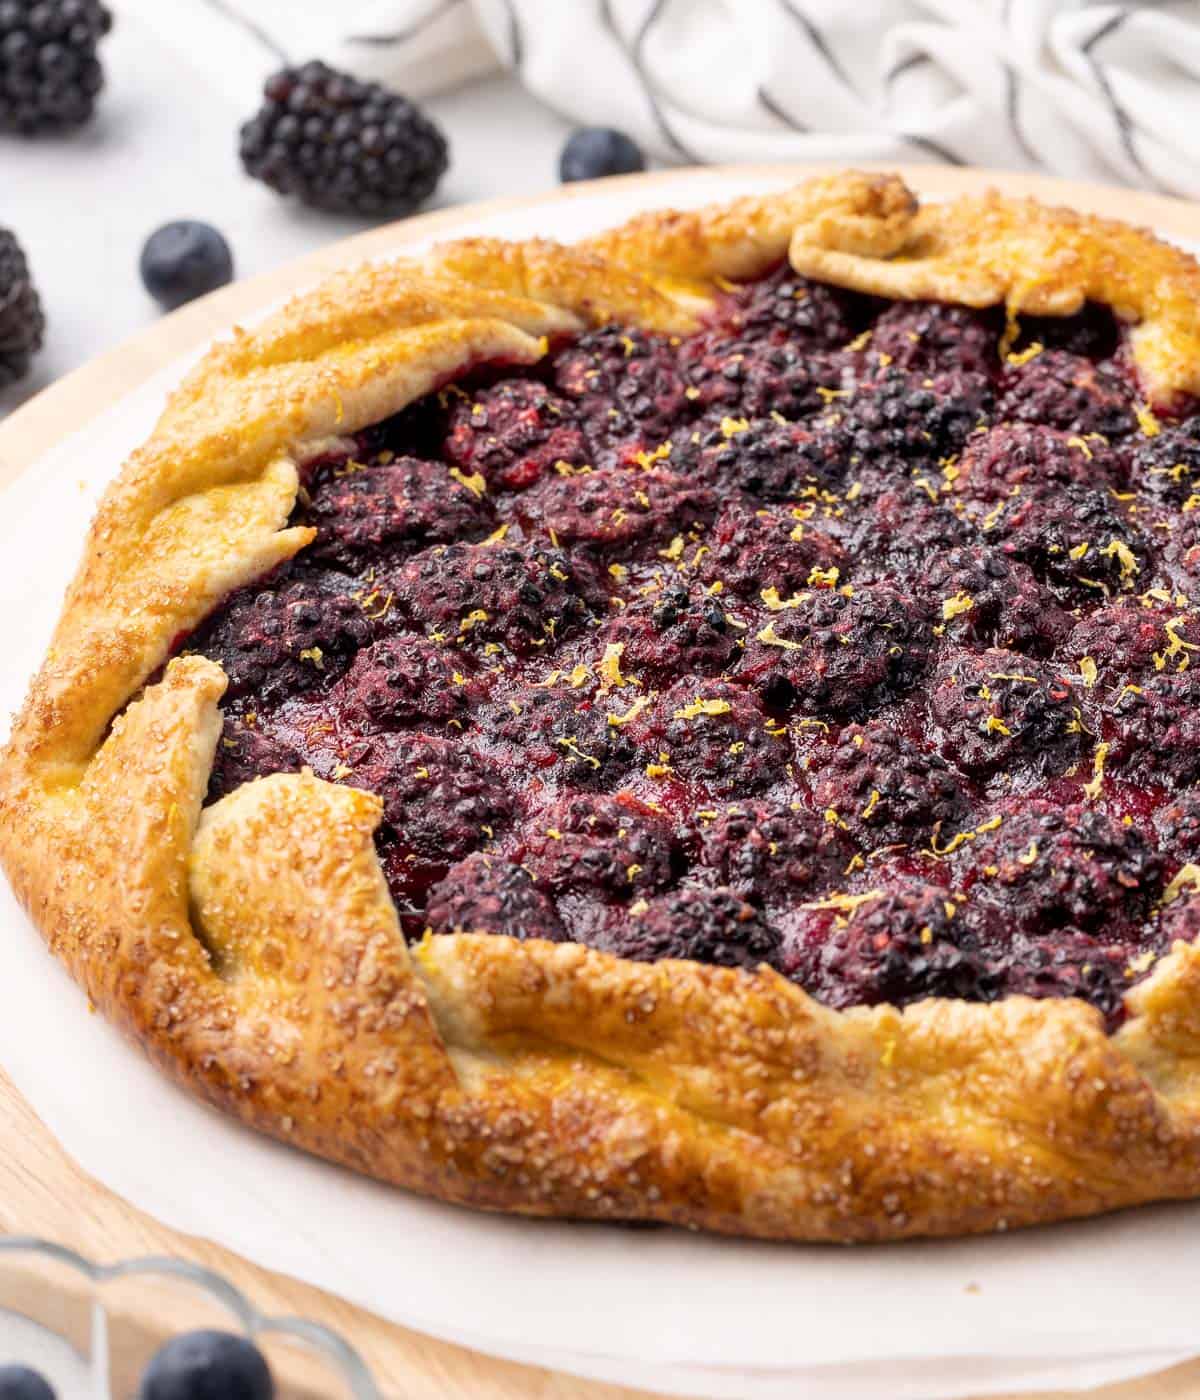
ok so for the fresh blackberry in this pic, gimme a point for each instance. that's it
(628, 390)
(618, 510)
(592, 152)
(283, 639)
(343, 145)
(906, 943)
(612, 847)
(473, 595)
(997, 710)
(247, 751)
(751, 548)
(381, 515)
(441, 799)
(485, 894)
(514, 433)
(712, 733)
(1029, 458)
(712, 926)
(773, 461)
(670, 632)
(765, 851)
(1155, 729)
(1167, 465)
(22, 322)
(887, 789)
(1047, 867)
(49, 72)
(405, 680)
(926, 337)
(839, 653)
(559, 731)
(1069, 392)
(981, 598)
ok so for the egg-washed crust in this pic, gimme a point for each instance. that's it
(252, 947)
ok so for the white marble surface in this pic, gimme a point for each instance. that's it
(164, 146)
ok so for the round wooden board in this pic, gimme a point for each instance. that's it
(41, 1191)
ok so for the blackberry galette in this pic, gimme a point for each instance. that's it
(702, 725)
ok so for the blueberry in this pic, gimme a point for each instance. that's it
(207, 1366)
(20, 1383)
(183, 260)
(592, 151)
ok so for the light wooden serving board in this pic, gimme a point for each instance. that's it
(42, 1192)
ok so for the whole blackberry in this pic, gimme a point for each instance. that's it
(49, 72)
(343, 145)
(22, 322)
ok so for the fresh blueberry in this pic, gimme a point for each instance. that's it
(20, 1383)
(593, 151)
(207, 1366)
(183, 260)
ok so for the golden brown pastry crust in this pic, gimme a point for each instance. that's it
(253, 949)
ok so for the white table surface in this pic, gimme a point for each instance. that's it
(163, 146)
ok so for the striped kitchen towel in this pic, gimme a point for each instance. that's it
(1101, 91)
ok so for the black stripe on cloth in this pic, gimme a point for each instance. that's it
(934, 148)
(256, 31)
(914, 60)
(819, 42)
(409, 31)
(516, 40)
(772, 105)
(1012, 103)
(639, 66)
(1120, 117)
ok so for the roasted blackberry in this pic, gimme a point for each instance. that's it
(1048, 867)
(22, 322)
(245, 752)
(670, 632)
(1066, 391)
(909, 417)
(834, 652)
(770, 460)
(769, 852)
(1177, 823)
(1072, 964)
(1029, 458)
(1074, 539)
(1167, 465)
(906, 943)
(485, 894)
(612, 847)
(560, 731)
(746, 378)
(405, 680)
(343, 145)
(750, 548)
(514, 433)
(894, 531)
(697, 923)
(787, 307)
(441, 799)
(926, 337)
(617, 510)
(1154, 729)
(997, 710)
(1128, 641)
(283, 639)
(628, 389)
(382, 514)
(1181, 553)
(981, 598)
(886, 789)
(1093, 332)
(473, 595)
(711, 733)
(49, 73)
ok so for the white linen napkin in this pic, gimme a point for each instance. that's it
(1098, 91)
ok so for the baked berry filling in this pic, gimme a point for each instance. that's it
(851, 638)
